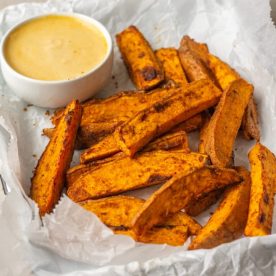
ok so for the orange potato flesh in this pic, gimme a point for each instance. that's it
(229, 219)
(191, 124)
(203, 136)
(225, 75)
(225, 122)
(140, 60)
(178, 192)
(196, 207)
(173, 235)
(49, 175)
(162, 116)
(108, 146)
(125, 174)
(119, 211)
(263, 178)
(173, 71)
(77, 171)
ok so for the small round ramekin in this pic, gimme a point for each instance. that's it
(53, 94)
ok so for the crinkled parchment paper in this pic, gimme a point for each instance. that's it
(72, 241)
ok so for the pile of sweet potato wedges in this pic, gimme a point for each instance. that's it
(136, 139)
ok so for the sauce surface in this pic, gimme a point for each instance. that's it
(55, 47)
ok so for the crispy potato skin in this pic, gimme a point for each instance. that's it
(142, 65)
(203, 135)
(225, 122)
(196, 207)
(125, 174)
(119, 211)
(173, 71)
(229, 220)
(178, 192)
(192, 56)
(173, 235)
(225, 75)
(250, 122)
(263, 177)
(108, 146)
(49, 175)
(162, 116)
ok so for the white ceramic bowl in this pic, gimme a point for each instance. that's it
(53, 94)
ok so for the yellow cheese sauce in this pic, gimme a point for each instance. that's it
(55, 47)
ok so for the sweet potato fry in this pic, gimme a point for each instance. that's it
(225, 75)
(108, 146)
(77, 171)
(100, 118)
(263, 177)
(178, 192)
(162, 116)
(119, 211)
(171, 141)
(225, 122)
(191, 124)
(147, 169)
(192, 55)
(229, 219)
(49, 175)
(173, 235)
(173, 71)
(196, 207)
(143, 67)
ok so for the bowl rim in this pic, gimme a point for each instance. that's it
(79, 16)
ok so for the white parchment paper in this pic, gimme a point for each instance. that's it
(72, 241)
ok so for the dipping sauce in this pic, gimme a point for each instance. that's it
(55, 47)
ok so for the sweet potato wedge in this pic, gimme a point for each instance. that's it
(173, 235)
(229, 220)
(162, 116)
(142, 65)
(225, 122)
(197, 206)
(192, 56)
(100, 118)
(225, 75)
(178, 192)
(147, 169)
(263, 178)
(49, 176)
(77, 171)
(173, 71)
(119, 211)
(191, 124)
(108, 146)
